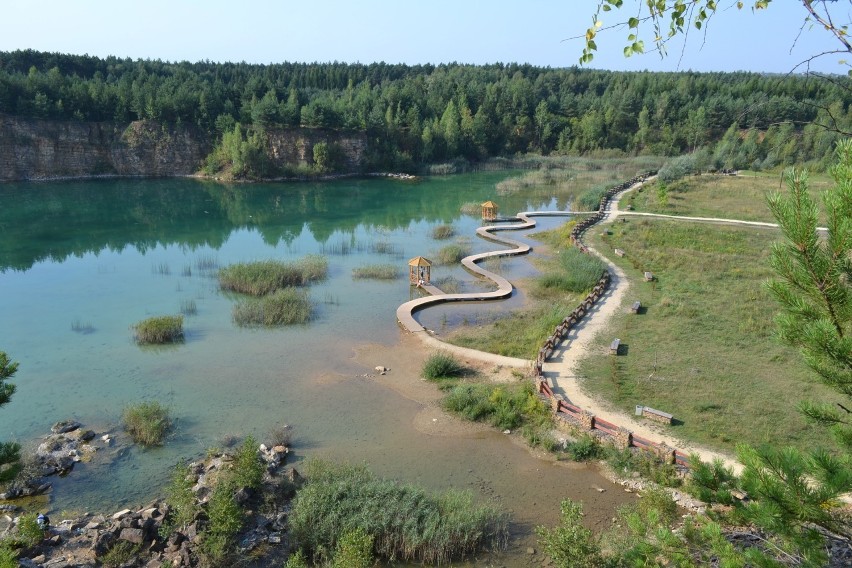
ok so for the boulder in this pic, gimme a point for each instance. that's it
(65, 426)
(135, 536)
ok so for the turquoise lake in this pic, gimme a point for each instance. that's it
(81, 262)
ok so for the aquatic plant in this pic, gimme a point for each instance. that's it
(376, 271)
(147, 422)
(283, 307)
(451, 254)
(264, 277)
(441, 232)
(159, 329)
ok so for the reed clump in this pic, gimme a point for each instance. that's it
(574, 271)
(376, 272)
(147, 422)
(406, 523)
(440, 366)
(283, 307)
(442, 232)
(452, 254)
(158, 330)
(264, 277)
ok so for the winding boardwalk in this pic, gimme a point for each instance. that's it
(561, 366)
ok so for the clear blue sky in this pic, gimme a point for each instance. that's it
(406, 31)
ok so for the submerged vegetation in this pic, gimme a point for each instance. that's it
(159, 330)
(406, 523)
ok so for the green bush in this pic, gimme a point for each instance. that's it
(590, 200)
(354, 550)
(406, 523)
(29, 533)
(441, 365)
(451, 254)
(183, 507)
(248, 467)
(283, 307)
(225, 519)
(264, 277)
(504, 407)
(147, 422)
(158, 330)
(8, 555)
(376, 271)
(297, 560)
(711, 482)
(441, 232)
(570, 543)
(585, 448)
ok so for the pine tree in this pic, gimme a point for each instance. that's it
(9, 451)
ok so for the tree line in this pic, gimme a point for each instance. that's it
(420, 114)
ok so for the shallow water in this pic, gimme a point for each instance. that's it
(81, 262)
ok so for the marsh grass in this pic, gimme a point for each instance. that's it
(442, 232)
(188, 307)
(385, 247)
(158, 330)
(161, 269)
(343, 248)
(571, 271)
(442, 365)
(448, 284)
(147, 422)
(206, 263)
(287, 306)
(705, 350)
(406, 523)
(79, 326)
(376, 272)
(452, 254)
(471, 208)
(264, 277)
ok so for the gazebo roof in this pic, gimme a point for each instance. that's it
(489, 204)
(419, 261)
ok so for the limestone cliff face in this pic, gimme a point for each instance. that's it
(295, 146)
(39, 149)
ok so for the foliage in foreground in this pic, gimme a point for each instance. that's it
(158, 330)
(147, 422)
(283, 307)
(404, 522)
(264, 277)
(10, 452)
(441, 365)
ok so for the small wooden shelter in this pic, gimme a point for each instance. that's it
(489, 210)
(419, 270)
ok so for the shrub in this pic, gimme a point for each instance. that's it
(590, 200)
(158, 330)
(441, 232)
(147, 422)
(505, 407)
(585, 448)
(120, 553)
(8, 555)
(264, 277)
(29, 532)
(248, 468)
(451, 254)
(225, 519)
(441, 366)
(297, 560)
(183, 508)
(570, 543)
(405, 522)
(354, 550)
(376, 271)
(283, 307)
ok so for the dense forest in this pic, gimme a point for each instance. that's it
(426, 114)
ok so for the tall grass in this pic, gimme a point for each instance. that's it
(451, 254)
(263, 277)
(158, 330)
(575, 271)
(376, 271)
(537, 178)
(505, 406)
(442, 232)
(406, 523)
(188, 307)
(471, 208)
(283, 307)
(590, 199)
(441, 365)
(147, 422)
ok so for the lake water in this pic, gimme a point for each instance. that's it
(81, 262)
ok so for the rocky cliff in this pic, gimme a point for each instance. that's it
(39, 149)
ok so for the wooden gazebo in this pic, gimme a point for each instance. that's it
(419, 270)
(489, 211)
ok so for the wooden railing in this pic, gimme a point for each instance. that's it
(564, 410)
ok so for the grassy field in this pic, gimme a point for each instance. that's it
(731, 197)
(704, 348)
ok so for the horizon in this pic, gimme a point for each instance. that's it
(769, 42)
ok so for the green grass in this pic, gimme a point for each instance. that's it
(147, 422)
(284, 307)
(264, 277)
(376, 272)
(440, 366)
(728, 197)
(442, 232)
(119, 553)
(452, 254)
(159, 330)
(705, 349)
(520, 334)
(406, 523)
(571, 271)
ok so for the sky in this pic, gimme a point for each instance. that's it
(538, 32)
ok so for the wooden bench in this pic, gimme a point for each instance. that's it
(649, 276)
(637, 305)
(619, 252)
(613, 347)
(657, 415)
